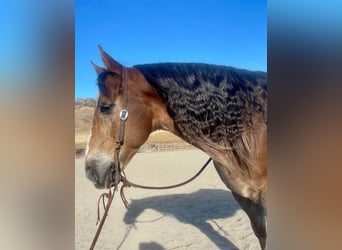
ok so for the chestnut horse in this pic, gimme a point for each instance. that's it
(218, 109)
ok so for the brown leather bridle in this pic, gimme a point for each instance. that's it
(123, 117)
(119, 176)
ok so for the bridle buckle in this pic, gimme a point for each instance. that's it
(124, 115)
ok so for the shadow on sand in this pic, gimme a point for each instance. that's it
(194, 208)
(150, 246)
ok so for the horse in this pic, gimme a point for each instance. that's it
(221, 110)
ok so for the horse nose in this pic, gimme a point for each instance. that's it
(91, 173)
(100, 171)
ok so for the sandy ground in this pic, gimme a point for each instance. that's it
(200, 215)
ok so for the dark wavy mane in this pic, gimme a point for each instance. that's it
(206, 99)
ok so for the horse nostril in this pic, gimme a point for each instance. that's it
(91, 173)
(99, 171)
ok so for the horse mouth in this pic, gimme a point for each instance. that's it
(111, 175)
(109, 178)
(104, 184)
(104, 179)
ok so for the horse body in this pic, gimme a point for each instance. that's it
(220, 110)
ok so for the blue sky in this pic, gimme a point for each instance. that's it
(226, 32)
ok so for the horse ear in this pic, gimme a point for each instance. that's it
(109, 62)
(98, 69)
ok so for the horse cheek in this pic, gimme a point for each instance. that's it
(140, 129)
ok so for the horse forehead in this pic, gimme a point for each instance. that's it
(107, 83)
(103, 99)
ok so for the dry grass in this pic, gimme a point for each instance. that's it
(163, 137)
(83, 121)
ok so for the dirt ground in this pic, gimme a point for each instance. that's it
(200, 215)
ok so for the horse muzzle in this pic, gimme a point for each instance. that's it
(101, 173)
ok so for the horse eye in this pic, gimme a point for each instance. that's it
(106, 108)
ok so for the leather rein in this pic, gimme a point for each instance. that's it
(118, 176)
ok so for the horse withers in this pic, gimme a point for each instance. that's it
(218, 109)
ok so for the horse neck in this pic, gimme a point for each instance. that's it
(161, 118)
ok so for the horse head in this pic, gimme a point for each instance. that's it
(125, 90)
